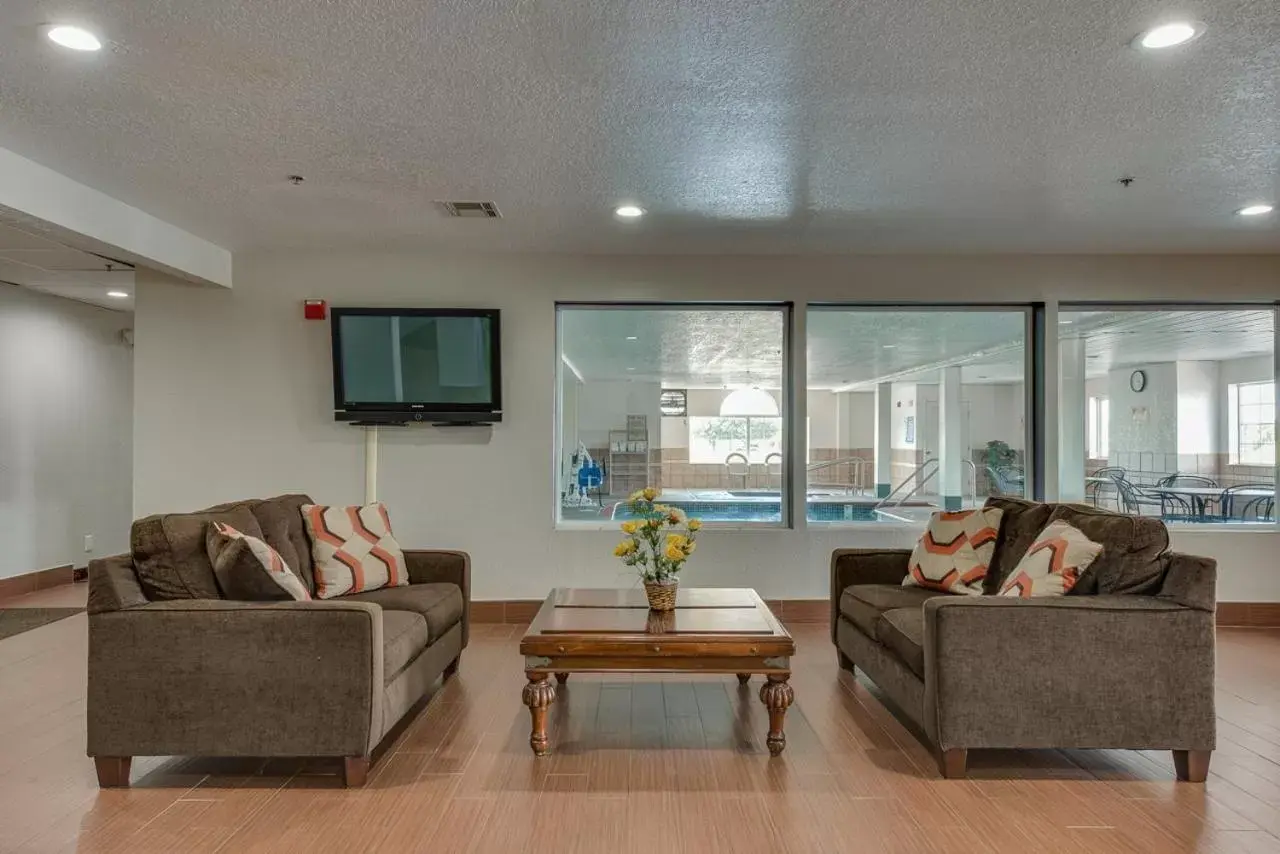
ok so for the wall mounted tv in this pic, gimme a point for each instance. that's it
(407, 365)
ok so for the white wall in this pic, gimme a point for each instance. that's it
(1198, 385)
(66, 398)
(1144, 422)
(235, 396)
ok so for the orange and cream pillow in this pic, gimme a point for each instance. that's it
(353, 549)
(248, 569)
(1053, 564)
(955, 551)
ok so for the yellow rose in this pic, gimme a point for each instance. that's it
(676, 540)
(630, 527)
(674, 552)
(624, 548)
(636, 496)
(694, 525)
(649, 493)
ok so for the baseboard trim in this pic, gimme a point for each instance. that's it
(1253, 615)
(30, 582)
(521, 611)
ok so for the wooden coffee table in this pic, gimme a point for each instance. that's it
(711, 630)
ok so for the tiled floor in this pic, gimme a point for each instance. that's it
(645, 764)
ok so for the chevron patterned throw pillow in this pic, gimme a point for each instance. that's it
(955, 551)
(1053, 564)
(353, 550)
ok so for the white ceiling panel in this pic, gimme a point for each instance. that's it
(34, 261)
(743, 127)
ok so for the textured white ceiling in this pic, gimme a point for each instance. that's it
(855, 348)
(742, 125)
(33, 260)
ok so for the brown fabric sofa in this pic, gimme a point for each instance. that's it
(1125, 660)
(174, 669)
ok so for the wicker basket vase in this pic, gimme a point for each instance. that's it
(662, 597)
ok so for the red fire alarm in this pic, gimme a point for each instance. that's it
(314, 309)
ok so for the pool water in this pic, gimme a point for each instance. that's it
(761, 511)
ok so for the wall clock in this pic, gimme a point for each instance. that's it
(1138, 380)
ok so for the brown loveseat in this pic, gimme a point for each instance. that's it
(175, 669)
(1125, 660)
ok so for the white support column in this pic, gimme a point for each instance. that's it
(884, 439)
(1072, 416)
(951, 467)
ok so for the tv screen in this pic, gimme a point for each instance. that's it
(432, 363)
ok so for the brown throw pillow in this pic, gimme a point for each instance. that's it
(248, 569)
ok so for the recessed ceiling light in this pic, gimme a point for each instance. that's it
(889, 346)
(629, 211)
(1255, 210)
(630, 369)
(1169, 35)
(632, 338)
(1064, 322)
(117, 294)
(74, 38)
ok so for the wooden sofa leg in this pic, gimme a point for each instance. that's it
(1192, 766)
(355, 769)
(951, 763)
(113, 771)
(452, 668)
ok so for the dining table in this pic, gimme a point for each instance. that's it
(1200, 496)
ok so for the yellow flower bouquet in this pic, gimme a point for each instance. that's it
(658, 540)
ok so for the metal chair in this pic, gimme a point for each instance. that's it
(1192, 508)
(732, 469)
(773, 466)
(1005, 480)
(1092, 490)
(1259, 505)
(1132, 499)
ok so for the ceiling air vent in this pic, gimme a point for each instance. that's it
(472, 210)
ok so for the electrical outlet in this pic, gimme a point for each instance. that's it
(88, 543)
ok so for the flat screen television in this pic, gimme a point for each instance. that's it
(405, 365)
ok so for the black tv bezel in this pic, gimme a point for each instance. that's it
(389, 412)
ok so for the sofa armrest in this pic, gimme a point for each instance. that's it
(864, 566)
(434, 565)
(1073, 671)
(205, 677)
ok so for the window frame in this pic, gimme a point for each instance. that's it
(1236, 423)
(1033, 379)
(1069, 306)
(786, 410)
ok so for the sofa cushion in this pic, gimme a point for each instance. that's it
(1020, 523)
(281, 521)
(862, 604)
(440, 603)
(1053, 564)
(902, 631)
(404, 635)
(955, 551)
(249, 570)
(169, 552)
(1131, 549)
(352, 549)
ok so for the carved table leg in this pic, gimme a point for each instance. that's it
(538, 695)
(776, 695)
(744, 678)
(562, 678)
